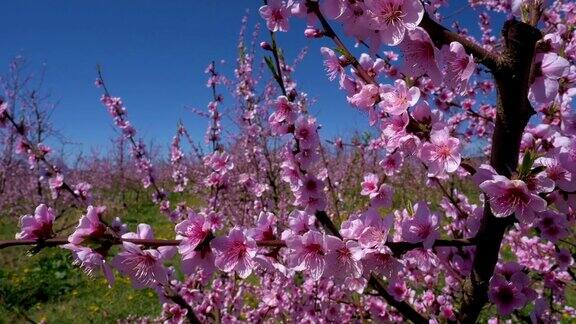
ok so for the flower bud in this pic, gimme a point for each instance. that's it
(313, 33)
(266, 46)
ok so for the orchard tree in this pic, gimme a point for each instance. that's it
(30, 104)
(401, 225)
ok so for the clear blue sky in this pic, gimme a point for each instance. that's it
(154, 54)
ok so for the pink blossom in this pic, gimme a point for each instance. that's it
(202, 260)
(483, 173)
(352, 227)
(394, 127)
(215, 179)
(82, 189)
(367, 97)
(554, 171)
(374, 233)
(397, 288)
(383, 197)
(265, 227)
(424, 116)
(513, 271)
(343, 259)
(56, 182)
(392, 163)
(540, 314)
(393, 17)
(305, 132)
(372, 67)
(459, 66)
(144, 266)
(312, 32)
(370, 185)
(284, 116)
(333, 9)
(37, 226)
(545, 86)
(381, 262)
(512, 196)
(192, 232)
(564, 259)
(290, 172)
(309, 253)
(567, 156)
(422, 227)
(118, 226)
(89, 226)
(506, 295)
(91, 261)
(214, 218)
(331, 63)
(235, 252)
(553, 226)
(421, 55)
(276, 14)
(307, 157)
(300, 222)
(173, 314)
(309, 187)
(356, 284)
(441, 154)
(397, 98)
(219, 162)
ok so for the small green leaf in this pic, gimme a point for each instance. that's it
(527, 163)
(270, 64)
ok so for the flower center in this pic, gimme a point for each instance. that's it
(314, 248)
(506, 295)
(392, 14)
(277, 15)
(239, 248)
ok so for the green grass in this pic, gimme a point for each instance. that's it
(46, 286)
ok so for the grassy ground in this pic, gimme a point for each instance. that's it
(48, 287)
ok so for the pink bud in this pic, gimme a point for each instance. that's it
(266, 46)
(313, 33)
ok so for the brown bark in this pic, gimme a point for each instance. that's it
(513, 113)
(511, 70)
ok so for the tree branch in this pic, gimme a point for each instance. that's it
(403, 308)
(440, 35)
(329, 32)
(513, 113)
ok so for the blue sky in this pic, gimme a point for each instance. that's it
(154, 54)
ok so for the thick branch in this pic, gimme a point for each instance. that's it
(327, 223)
(62, 240)
(440, 35)
(47, 243)
(398, 248)
(513, 113)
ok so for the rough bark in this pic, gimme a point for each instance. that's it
(512, 73)
(512, 77)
